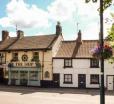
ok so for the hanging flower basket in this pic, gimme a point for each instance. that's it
(106, 54)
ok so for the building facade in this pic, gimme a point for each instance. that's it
(75, 67)
(27, 60)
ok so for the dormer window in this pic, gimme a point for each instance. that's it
(14, 56)
(67, 63)
(94, 63)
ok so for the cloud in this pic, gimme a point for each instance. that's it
(61, 10)
(76, 11)
(25, 16)
(92, 32)
(64, 10)
(71, 11)
(5, 22)
(12, 34)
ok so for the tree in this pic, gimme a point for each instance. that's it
(110, 36)
(106, 3)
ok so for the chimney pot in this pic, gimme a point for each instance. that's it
(58, 28)
(5, 35)
(79, 38)
(20, 34)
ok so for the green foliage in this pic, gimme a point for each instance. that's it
(106, 3)
(110, 36)
(111, 60)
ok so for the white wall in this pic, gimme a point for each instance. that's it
(80, 66)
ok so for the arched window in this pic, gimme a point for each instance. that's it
(46, 74)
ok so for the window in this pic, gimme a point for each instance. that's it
(94, 63)
(34, 75)
(46, 74)
(35, 56)
(68, 78)
(14, 56)
(14, 74)
(24, 75)
(1, 57)
(94, 79)
(67, 62)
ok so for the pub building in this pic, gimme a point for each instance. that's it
(27, 60)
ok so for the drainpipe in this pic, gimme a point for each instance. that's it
(42, 63)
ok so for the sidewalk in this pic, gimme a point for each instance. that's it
(52, 90)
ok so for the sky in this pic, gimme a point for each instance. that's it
(39, 17)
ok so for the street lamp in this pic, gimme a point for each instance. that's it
(102, 88)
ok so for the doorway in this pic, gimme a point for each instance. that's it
(110, 82)
(1, 76)
(23, 78)
(81, 81)
(56, 80)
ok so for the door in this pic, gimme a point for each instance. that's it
(1, 76)
(82, 81)
(110, 83)
(56, 80)
(23, 77)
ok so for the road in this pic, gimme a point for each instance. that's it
(33, 95)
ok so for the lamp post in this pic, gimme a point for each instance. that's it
(102, 88)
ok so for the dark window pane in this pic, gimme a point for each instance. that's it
(94, 63)
(67, 62)
(94, 79)
(67, 78)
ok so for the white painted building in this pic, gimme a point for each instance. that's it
(74, 66)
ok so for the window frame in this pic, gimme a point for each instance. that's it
(15, 58)
(33, 56)
(47, 74)
(94, 63)
(69, 63)
(94, 79)
(67, 82)
(33, 75)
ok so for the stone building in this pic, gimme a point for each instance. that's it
(27, 60)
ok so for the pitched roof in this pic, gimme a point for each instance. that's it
(29, 42)
(6, 43)
(71, 49)
(66, 49)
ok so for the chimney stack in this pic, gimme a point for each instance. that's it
(58, 29)
(5, 35)
(79, 38)
(20, 34)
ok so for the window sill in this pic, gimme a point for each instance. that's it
(67, 67)
(94, 67)
(67, 82)
(94, 83)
